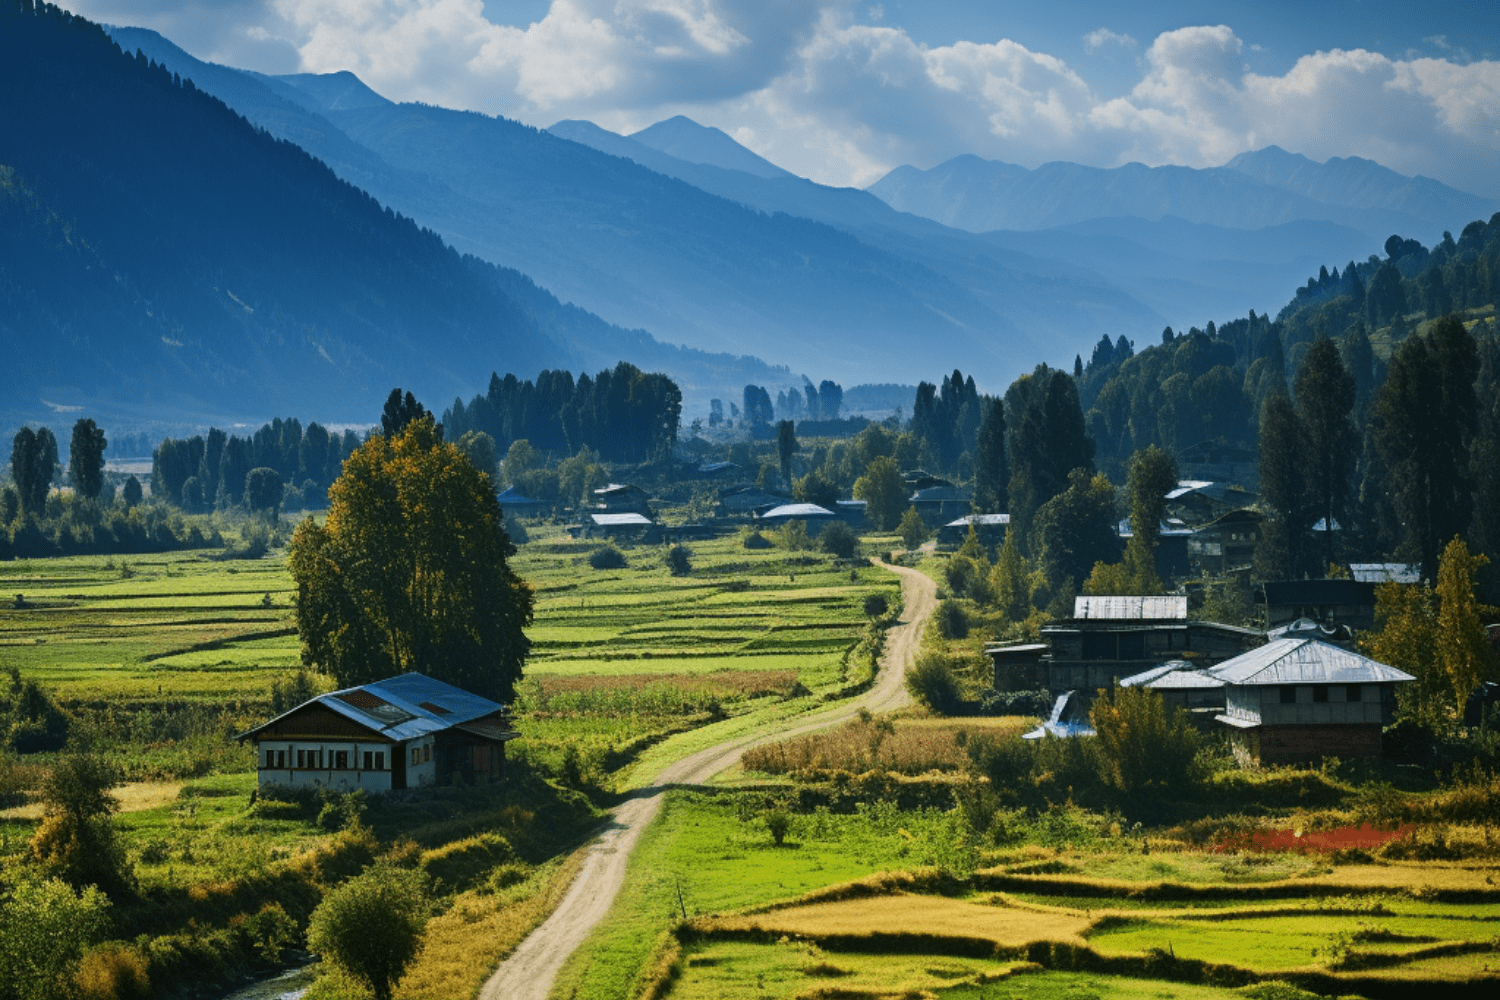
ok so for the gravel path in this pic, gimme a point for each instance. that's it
(529, 972)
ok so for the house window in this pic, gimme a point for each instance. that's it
(341, 760)
(380, 760)
(1288, 694)
(301, 758)
(1320, 693)
(1353, 692)
(426, 752)
(416, 756)
(281, 760)
(369, 760)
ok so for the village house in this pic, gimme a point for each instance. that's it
(1226, 542)
(624, 525)
(403, 732)
(1328, 602)
(1112, 637)
(1215, 461)
(515, 503)
(938, 504)
(990, 528)
(620, 499)
(813, 516)
(1172, 538)
(747, 501)
(1303, 699)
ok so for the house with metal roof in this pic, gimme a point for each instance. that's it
(513, 501)
(1110, 637)
(1182, 684)
(401, 732)
(618, 498)
(1330, 602)
(1302, 699)
(810, 514)
(936, 504)
(613, 526)
(1227, 541)
(990, 528)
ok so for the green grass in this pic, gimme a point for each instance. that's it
(718, 851)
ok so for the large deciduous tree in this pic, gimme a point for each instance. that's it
(883, 491)
(86, 458)
(410, 572)
(1076, 529)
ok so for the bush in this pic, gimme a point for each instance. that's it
(912, 529)
(1038, 703)
(271, 930)
(838, 539)
(876, 606)
(371, 927)
(44, 928)
(679, 561)
(112, 972)
(779, 823)
(952, 622)
(932, 681)
(516, 530)
(1142, 743)
(755, 540)
(794, 536)
(607, 557)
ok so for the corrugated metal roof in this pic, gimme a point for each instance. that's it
(1128, 608)
(1304, 661)
(620, 520)
(1175, 675)
(983, 519)
(513, 496)
(795, 510)
(1386, 572)
(402, 707)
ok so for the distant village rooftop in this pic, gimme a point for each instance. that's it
(1128, 608)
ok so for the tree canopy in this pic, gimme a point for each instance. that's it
(410, 572)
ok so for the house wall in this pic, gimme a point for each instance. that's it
(421, 762)
(319, 764)
(1085, 657)
(1293, 743)
(1261, 703)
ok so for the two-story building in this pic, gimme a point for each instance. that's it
(401, 732)
(1302, 699)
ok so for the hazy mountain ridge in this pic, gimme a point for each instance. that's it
(1269, 187)
(633, 243)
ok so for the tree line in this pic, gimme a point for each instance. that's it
(624, 414)
(282, 460)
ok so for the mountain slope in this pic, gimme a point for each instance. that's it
(640, 247)
(166, 258)
(685, 139)
(1184, 272)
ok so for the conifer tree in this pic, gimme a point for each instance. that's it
(1325, 401)
(86, 458)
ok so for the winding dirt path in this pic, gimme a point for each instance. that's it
(529, 972)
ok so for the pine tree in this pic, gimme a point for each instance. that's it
(990, 473)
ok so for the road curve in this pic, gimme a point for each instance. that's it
(529, 972)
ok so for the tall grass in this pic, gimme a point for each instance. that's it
(904, 746)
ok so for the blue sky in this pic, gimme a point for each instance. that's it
(842, 92)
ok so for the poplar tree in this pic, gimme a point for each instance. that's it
(1153, 473)
(990, 469)
(1462, 648)
(1325, 402)
(1284, 546)
(86, 458)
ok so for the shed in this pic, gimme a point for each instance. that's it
(1391, 572)
(1302, 699)
(401, 732)
(614, 525)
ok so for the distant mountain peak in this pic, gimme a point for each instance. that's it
(685, 139)
(341, 91)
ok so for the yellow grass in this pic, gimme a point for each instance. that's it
(134, 796)
(904, 914)
(916, 746)
(462, 947)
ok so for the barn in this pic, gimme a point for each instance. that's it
(401, 732)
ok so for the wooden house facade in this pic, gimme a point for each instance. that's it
(401, 732)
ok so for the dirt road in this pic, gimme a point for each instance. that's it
(530, 970)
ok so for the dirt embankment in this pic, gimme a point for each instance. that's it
(530, 970)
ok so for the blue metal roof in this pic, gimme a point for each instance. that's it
(403, 707)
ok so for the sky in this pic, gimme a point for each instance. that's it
(842, 92)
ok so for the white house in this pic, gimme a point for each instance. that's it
(402, 732)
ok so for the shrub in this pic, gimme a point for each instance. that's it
(346, 855)
(607, 557)
(952, 622)
(76, 841)
(755, 540)
(1038, 702)
(794, 536)
(876, 606)
(44, 927)
(1142, 744)
(112, 972)
(838, 539)
(932, 681)
(779, 822)
(679, 561)
(271, 930)
(371, 927)
(912, 529)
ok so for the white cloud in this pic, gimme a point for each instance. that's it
(843, 102)
(1100, 37)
